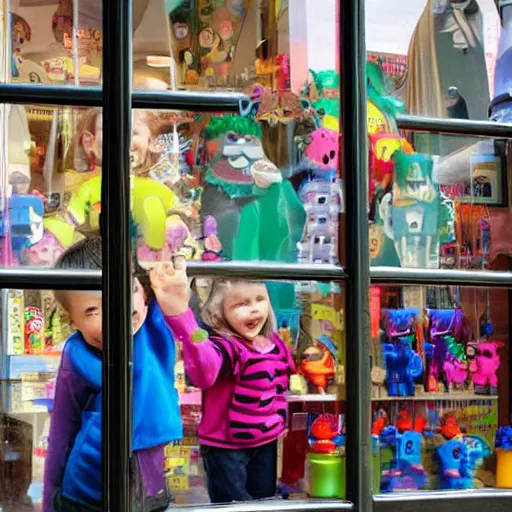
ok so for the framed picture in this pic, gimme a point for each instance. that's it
(488, 171)
(486, 181)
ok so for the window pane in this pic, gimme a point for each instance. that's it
(447, 57)
(230, 192)
(443, 206)
(50, 181)
(440, 387)
(262, 406)
(45, 399)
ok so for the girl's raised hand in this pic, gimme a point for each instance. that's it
(170, 284)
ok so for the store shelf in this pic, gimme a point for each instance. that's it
(437, 396)
(196, 101)
(331, 397)
(455, 126)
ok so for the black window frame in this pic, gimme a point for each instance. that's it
(117, 99)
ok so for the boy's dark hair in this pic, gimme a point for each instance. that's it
(86, 255)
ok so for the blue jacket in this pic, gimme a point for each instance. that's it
(156, 414)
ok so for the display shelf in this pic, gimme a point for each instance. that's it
(328, 397)
(436, 396)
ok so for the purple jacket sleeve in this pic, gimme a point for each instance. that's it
(71, 396)
(204, 361)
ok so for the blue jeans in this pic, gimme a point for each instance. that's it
(240, 475)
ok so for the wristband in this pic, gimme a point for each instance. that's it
(199, 336)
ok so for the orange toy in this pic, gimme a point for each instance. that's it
(324, 428)
(449, 427)
(317, 367)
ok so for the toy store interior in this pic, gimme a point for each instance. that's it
(267, 185)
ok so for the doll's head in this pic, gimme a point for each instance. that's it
(239, 307)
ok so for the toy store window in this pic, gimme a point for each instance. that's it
(439, 201)
(221, 410)
(50, 181)
(447, 58)
(208, 186)
(441, 404)
(235, 188)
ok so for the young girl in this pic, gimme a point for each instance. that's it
(244, 371)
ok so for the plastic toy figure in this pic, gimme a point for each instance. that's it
(150, 203)
(403, 367)
(318, 367)
(406, 469)
(246, 194)
(325, 434)
(25, 221)
(484, 362)
(455, 365)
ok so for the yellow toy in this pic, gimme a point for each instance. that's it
(151, 202)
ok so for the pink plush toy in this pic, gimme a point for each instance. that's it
(484, 363)
(456, 372)
(323, 150)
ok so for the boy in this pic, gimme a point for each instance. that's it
(72, 480)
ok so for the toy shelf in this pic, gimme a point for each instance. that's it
(468, 397)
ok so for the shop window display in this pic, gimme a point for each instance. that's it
(440, 388)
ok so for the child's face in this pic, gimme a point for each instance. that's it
(141, 139)
(84, 309)
(246, 308)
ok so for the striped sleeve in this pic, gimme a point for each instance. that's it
(205, 361)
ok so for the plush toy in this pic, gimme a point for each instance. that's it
(484, 362)
(456, 364)
(406, 440)
(151, 202)
(403, 367)
(246, 194)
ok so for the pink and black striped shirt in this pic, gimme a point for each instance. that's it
(244, 391)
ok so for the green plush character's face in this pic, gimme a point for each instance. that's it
(237, 154)
(241, 150)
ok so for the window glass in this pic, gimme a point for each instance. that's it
(46, 392)
(262, 407)
(448, 58)
(440, 388)
(439, 201)
(208, 186)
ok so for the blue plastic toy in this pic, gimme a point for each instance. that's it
(403, 366)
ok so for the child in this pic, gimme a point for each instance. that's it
(73, 464)
(244, 371)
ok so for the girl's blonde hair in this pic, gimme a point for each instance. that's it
(212, 310)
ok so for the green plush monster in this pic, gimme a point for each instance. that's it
(259, 215)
